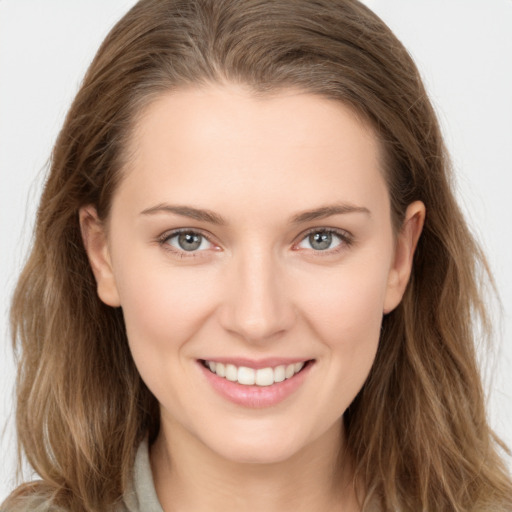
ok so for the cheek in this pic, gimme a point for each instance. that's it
(348, 304)
(346, 316)
(163, 308)
(163, 311)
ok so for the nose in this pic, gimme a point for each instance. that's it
(257, 305)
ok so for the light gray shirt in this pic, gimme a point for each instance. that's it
(142, 497)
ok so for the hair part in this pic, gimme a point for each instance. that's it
(417, 430)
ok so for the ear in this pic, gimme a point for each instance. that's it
(95, 241)
(406, 242)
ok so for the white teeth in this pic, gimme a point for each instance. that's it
(231, 372)
(246, 376)
(265, 377)
(279, 373)
(298, 367)
(220, 370)
(250, 376)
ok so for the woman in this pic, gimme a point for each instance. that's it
(251, 286)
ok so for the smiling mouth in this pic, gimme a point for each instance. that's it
(255, 377)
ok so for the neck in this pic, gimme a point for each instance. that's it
(189, 476)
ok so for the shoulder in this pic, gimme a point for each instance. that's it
(39, 503)
(140, 496)
(30, 503)
(35, 496)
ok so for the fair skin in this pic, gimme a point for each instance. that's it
(294, 261)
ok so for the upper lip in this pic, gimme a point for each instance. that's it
(256, 364)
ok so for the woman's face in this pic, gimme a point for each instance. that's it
(253, 234)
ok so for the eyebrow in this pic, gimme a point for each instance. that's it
(213, 218)
(187, 211)
(328, 211)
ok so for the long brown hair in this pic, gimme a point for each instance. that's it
(418, 429)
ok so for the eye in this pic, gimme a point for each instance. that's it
(188, 241)
(323, 240)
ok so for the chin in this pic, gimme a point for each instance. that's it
(257, 454)
(260, 447)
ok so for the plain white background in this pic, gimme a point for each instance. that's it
(463, 49)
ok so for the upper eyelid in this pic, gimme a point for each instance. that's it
(174, 232)
(327, 229)
(342, 233)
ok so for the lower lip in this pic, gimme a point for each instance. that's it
(256, 397)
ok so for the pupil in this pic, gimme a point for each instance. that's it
(189, 241)
(320, 241)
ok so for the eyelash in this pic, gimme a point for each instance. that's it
(346, 240)
(164, 239)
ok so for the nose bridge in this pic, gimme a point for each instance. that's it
(257, 306)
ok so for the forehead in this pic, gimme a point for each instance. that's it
(224, 144)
